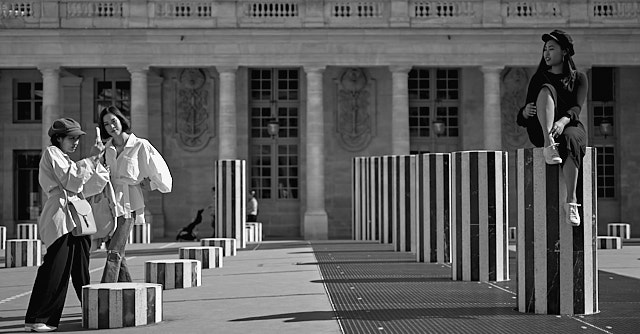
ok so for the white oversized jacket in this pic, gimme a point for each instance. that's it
(138, 160)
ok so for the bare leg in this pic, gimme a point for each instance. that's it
(570, 171)
(546, 111)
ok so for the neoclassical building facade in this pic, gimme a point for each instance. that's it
(206, 80)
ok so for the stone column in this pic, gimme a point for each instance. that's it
(492, 116)
(227, 132)
(315, 217)
(50, 99)
(400, 109)
(139, 100)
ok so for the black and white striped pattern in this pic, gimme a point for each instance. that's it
(257, 231)
(479, 216)
(385, 199)
(228, 245)
(609, 242)
(23, 253)
(27, 231)
(433, 228)
(250, 233)
(174, 274)
(404, 205)
(140, 234)
(513, 235)
(3, 237)
(231, 197)
(209, 257)
(557, 263)
(622, 230)
(116, 305)
(364, 225)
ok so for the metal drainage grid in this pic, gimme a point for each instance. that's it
(376, 290)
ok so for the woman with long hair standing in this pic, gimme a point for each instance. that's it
(555, 97)
(134, 164)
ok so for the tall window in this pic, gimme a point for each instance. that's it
(27, 102)
(274, 97)
(603, 110)
(113, 93)
(434, 97)
(27, 188)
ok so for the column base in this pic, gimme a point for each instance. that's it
(316, 225)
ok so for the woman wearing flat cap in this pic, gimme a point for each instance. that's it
(555, 97)
(67, 254)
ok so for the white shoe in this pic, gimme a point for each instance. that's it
(551, 155)
(573, 215)
(39, 327)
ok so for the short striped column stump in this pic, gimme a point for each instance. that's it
(116, 305)
(513, 235)
(3, 237)
(257, 231)
(479, 216)
(23, 253)
(174, 274)
(364, 220)
(230, 179)
(403, 205)
(228, 244)
(608, 242)
(140, 234)
(209, 257)
(557, 262)
(621, 230)
(433, 227)
(250, 233)
(27, 231)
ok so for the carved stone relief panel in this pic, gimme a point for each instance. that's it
(194, 115)
(514, 93)
(356, 109)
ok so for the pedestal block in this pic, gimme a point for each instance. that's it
(209, 257)
(174, 274)
(228, 245)
(479, 216)
(557, 263)
(23, 253)
(621, 230)
(231, 198)
(364, 183)
(433, 228)
(27, 231)
(3, 237)
(257, 230)
(140, 234)
(608, 242)
(250, 233)
(116, 305)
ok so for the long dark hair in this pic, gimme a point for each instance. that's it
(569, 70)
(126, 125)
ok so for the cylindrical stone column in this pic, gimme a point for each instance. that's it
(3, 237)
(23, 253)
(231, 199)
(358, 199)
(117, 305)
(433, 228)
(174, 274)
(139, 100)
(606, 242)
(27, 231)
(400, 109)
(50, 99)
(492, 114)
(209, 257)
(140, 234)
(316, 222)
(228, 245)
(622, 230)
(386, 200)
(480, 250)
(403, 205)
(257, 230)
(364, 220)
(227, 123)
(557, 263)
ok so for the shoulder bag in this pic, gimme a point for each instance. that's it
(79, 210)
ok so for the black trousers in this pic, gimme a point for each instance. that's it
(252, 218)
(67, 256)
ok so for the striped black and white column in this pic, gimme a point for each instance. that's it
(117, 305)
(479, 216)
(231, 198)
(385, 198)
(622, 230)
(23, 253)
(209, 257)
(433, 228)
(404, 204)
(360, 198)
(27, 231)
(608, 242)
(174, 274)
(557, 263)
(140, 234)
(3, 237)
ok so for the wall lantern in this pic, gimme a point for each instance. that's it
(606, 127)
(273, 127)
(438, 127)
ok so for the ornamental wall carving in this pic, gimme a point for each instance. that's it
(514, 93)
(194, 113)
(355, 111)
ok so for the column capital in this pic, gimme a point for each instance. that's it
(491, 68)
(228, 69)
(137, 68)
(314, 69)
(400, 68)
(49, 69)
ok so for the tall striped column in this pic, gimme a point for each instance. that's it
(433, 228)
(231, 199)
(27, 231)
(557, 263)
(3, 237)
(140, 234)
(404, 210)
(386, 199)
(359, 198)
(117, 305)
(480, 249)
(23, 253)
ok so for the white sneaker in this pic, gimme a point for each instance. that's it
(551, 155)
(573, 215)
(39, 327)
